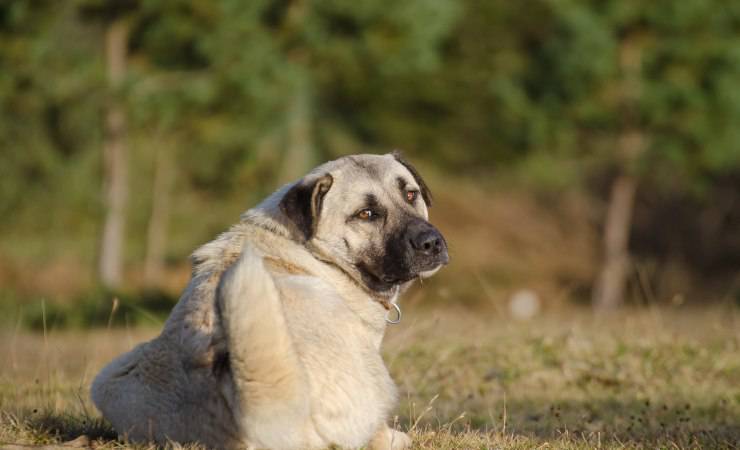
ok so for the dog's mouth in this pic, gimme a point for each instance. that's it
(379, 283)
(385, 282)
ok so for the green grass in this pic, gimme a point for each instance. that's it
(643, 378)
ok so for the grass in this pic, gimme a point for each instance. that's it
(642, 378)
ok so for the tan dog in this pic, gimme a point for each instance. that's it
(275, 343)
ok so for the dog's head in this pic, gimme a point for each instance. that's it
(368, 214)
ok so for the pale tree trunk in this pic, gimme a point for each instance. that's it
(610, 285)
(299, 153)
(115, 159)
(156, 239)
(609, 291)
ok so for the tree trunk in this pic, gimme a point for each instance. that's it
(610, 285)
(156, 239)
(609, 291)
(299, 153)
(115, 159)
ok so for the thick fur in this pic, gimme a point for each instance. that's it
(275, 343)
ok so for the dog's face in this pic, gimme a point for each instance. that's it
(368, 215)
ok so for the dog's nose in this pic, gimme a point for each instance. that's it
(428, 242)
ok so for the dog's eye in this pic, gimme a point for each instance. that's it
(366, 214)
(411, 196)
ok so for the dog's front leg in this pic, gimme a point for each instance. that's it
(389, 439)
(270, 382)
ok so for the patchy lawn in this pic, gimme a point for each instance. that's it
(643, 378)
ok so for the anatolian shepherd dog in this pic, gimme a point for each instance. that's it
(275, 343)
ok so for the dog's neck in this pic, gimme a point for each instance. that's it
(293, 257)
(387, 299)
(267, 215)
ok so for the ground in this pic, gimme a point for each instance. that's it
(642, 378)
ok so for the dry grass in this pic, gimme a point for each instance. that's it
(639, 379)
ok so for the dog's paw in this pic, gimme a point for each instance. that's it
(400, 440)
(390, 439)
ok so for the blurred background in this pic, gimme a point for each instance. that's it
(580, 152)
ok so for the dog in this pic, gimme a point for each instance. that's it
(275, 343)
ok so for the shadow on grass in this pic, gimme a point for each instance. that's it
(609, 423)
(632, 422)
(43, 427)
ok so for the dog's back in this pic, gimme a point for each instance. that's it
(148, 395)
(177, 387)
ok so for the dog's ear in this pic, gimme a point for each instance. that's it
(302, 203)
(426, 194)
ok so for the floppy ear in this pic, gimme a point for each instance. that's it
(302, 203)
(426, 194)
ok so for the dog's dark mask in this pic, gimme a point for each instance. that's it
(414, 248)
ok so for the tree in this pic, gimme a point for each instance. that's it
(227, 103)
(50, 92)
(608, 292)
(642, 89)
(638, 91)
(115, 156)
(156, 237)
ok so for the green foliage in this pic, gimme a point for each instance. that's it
(215, 81)
(48, 97)
(685, 106)
(543, 80)
(480, 86)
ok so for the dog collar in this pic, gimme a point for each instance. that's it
(398, 314)
(387, 305)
